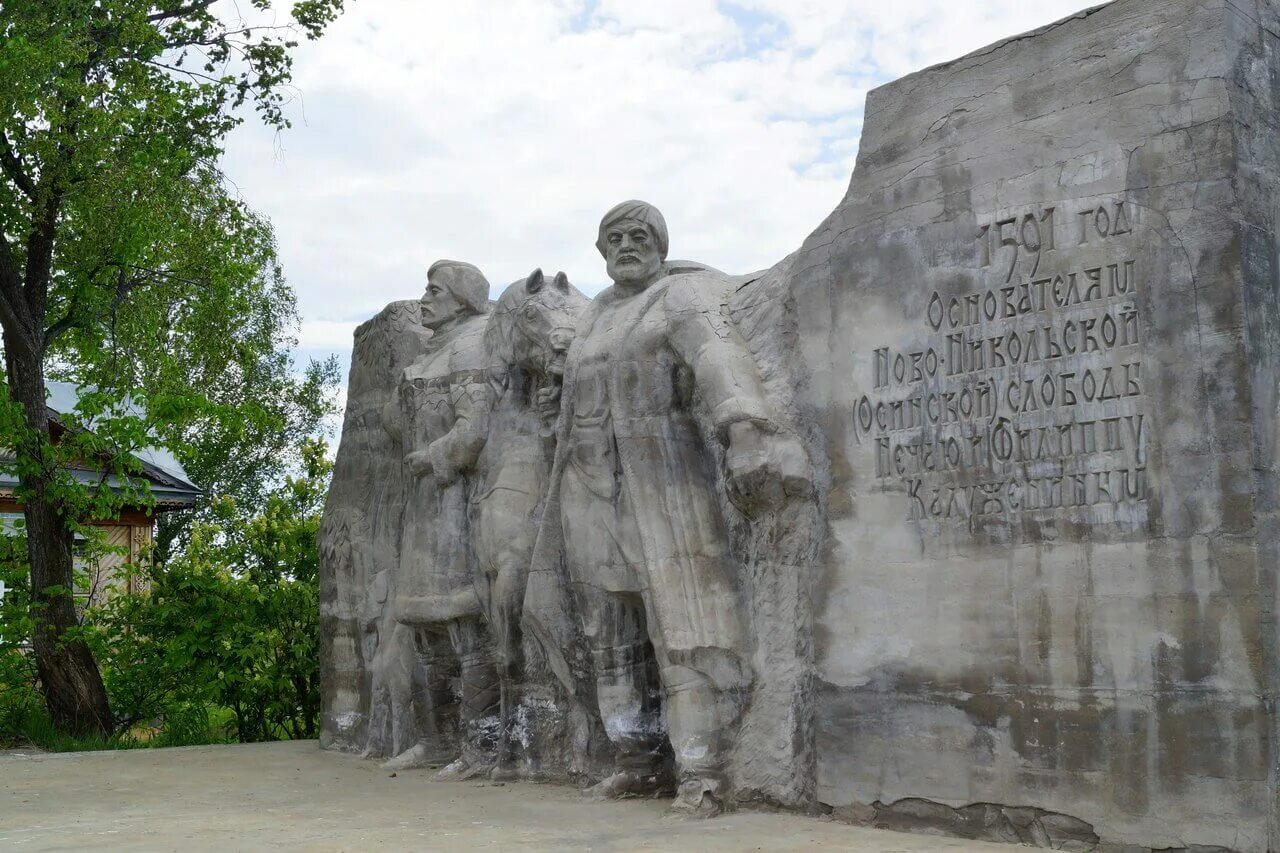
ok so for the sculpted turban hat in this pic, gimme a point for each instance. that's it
(640, 211)
(466, 282)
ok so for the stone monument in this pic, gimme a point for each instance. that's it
(366, 658)
(963, 518)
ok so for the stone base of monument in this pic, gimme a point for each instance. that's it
(1034, 356)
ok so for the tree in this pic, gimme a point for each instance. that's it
(112, 116)
(243, 432)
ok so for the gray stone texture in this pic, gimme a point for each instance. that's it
(999, 621)
(1033, 360)
(366, 659)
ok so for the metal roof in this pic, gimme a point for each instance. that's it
(171, 486)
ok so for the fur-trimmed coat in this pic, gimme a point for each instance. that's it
(443, 407)
(669, 344)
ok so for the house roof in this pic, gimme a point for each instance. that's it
(171, 487)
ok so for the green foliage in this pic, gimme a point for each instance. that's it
(18, 696)
(23, 719)
(113, 114)
(211, 363)
(281, 540)
(231, 622)
(222, 644)
(127, 263)
(164, 286)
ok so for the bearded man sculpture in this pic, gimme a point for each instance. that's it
(635, 507)
(443, 409)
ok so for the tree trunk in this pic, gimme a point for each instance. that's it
(73, 688)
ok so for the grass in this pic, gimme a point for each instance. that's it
(24, 724)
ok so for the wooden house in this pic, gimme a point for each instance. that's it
(132, 532)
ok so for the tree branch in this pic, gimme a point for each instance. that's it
(67, 321)
(40, 245)
(12, 166)
(195, 75)
(44, 229)
(168, 276)
(226, 36)
(180, 11)
(124, 286)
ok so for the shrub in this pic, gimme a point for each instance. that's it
(223, 643)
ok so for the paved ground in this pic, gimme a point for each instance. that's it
(293, 796)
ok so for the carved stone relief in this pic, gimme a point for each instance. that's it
(962, 518)
(619, 451)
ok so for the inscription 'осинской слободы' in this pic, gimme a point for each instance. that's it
(1026, 396)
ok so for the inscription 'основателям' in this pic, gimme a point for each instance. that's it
(1026, 396)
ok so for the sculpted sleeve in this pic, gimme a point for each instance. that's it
(706, 339)
(458, 449)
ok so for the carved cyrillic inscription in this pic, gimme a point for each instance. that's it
(1025, 396)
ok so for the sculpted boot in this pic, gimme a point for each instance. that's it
(705, 795)
(632, 715)
(435, 708)
(479, 713)
(701, 722)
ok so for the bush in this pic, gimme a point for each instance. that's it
(223, 644)
(24, 722)
(204, 636)
(19, 699)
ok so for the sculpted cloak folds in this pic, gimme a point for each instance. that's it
(669, 343)
(443, 397)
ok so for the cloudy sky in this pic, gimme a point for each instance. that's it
(498, 132)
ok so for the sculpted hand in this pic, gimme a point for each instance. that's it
(548, 401)
(547, 405)
(419, 463)
(765, 469)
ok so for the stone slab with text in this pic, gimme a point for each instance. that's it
(1012, 420)
(1042, 331)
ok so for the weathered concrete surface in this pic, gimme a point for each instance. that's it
(1040, 335)
(1034, 356)
(294, 796)
(365, 662)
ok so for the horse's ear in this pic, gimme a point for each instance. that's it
(535, 281)
(562, 282)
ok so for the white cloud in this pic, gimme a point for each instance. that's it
(319, 336)
(498, 131)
